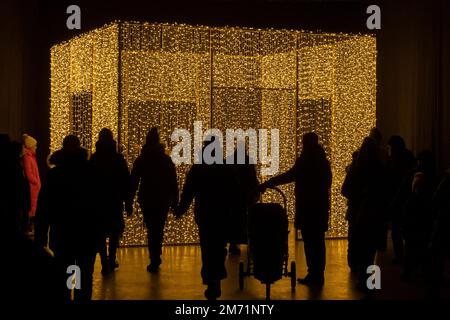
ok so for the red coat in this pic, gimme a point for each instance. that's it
(32, 173)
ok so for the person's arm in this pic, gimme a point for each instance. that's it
(188, 193)
(29, 172)
(173, 184)
(253, 194)
(286, 177)
(347, 186)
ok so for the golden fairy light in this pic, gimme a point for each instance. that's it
(130, 76)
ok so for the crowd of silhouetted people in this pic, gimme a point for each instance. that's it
(78, 211)
(391, 189)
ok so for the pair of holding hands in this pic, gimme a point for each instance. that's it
(176, 210)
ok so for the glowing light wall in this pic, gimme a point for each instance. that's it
(132, 76)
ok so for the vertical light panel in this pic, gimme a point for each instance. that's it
(60, 111)
(165, 84)
(337, 92)
(354, 112)
(84, 87)
(105, 77)
(278, 50)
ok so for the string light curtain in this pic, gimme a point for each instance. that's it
(130, 76)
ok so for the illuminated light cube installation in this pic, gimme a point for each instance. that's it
(130, 76)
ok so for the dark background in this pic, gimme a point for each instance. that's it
(413, 93)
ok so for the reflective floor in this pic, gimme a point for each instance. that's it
(179, 277)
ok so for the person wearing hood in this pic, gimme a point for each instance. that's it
(366, 191)
(66, 220)
(312, 176)
(111, 179)
(155, 175)
(213, 185)
(31, 172)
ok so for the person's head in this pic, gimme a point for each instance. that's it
(376, 135)
(71, 151)
(71, 142)
(396, 144)
(105, 142)
(105, 135)
(152, 137)
(310, 140)
(29, 142)
(367, 155)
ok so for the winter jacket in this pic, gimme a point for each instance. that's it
(32, 174)
(112, 183)
(155, 175)
(214, 188)
(66, 206)
(312, 176)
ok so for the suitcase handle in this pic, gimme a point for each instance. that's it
(282, 195)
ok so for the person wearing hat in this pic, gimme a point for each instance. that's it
(31, 171)
(155, 174)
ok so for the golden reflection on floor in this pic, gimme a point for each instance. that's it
(179, 277)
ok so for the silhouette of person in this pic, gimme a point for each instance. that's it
(158, 191)
(213, 186)
(377, 136)
(15, 189)
(365, 189)
(400, 169)
(28, 271)
(245, 172)
(440, 238)
(31, 172)
(112, 182)
(312, 176)
(352, 206)
(383, 156)
(417, 220)
(65, 207)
